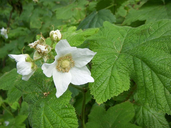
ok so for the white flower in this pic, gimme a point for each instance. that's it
(25, 66)
(4, 33)
(69, 66)
(6, 123)
(55, 35)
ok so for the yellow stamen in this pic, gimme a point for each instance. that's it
(65, 63)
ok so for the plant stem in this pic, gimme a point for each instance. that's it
(10, 17)
(83, 107)
(77, 87)
(110, 6)
(4, 106)
(84, 90)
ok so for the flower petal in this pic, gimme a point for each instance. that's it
(24, 68)
(80, 75)
(49, 68)
(63, 48)
(26, 77)
(6, 36)
(82, 56)
(18, 58)
(61, 80)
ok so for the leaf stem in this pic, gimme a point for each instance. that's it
(83, 108)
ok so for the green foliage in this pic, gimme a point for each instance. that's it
(147, 117)
(131, 69)
(96, 19)
(49, 111)
(120, 116)
(76, 38)
(136, 54)
(149, 13)
(8, 83)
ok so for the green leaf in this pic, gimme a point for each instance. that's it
(118, 116)
(35, 87)
(46, 110)
(73, 12)
(149, 13)
(77, 37)
(52, 112)
(108, 69)
(17, 122)
(141, 54)
(24, 109)
(8, 82)
(96, 19)
(4, 50)
(148, 118)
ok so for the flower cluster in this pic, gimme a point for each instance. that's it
(69, 64)
(41, 49)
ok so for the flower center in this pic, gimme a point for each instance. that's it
(65, 63)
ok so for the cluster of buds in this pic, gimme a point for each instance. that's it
(42, 49)
(55, 35)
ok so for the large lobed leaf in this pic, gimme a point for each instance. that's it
(141, 54)
(50, 112)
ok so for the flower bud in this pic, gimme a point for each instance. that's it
(55, 35)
